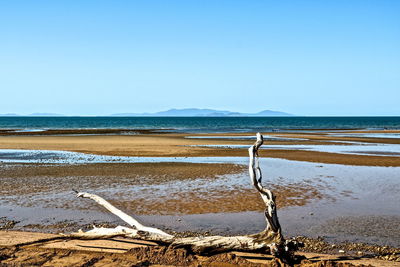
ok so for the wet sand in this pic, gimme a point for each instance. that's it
(211, 197)
(146, 188)
(150, 144)
(338, 196)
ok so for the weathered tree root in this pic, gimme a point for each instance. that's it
(268, 241)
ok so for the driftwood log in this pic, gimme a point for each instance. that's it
(268, 241)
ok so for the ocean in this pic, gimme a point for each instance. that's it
(200, 124)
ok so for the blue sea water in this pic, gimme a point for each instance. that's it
(201, 124)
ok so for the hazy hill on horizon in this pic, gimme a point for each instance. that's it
(39, 114)
(186, 112)
(197, 112)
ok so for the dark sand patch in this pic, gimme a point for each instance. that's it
(378, 153)
(361, 227)
(333, 158)
(219, 201)
(145, 188)
(17, 179)
(328, 137)
(18, 132)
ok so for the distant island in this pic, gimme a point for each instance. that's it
(45, 114)
(9, 114)
(196, 112)
(32, 115)
(186, 112)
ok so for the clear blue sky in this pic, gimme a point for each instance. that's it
(103, 57)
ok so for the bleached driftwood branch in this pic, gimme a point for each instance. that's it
(270, 240)
(125, 217)
(267, 196)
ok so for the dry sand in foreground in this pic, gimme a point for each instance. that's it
(29, 249)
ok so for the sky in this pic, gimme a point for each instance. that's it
(312, 58)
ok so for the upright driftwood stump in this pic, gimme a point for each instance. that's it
(268, 241)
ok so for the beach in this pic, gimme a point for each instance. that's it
(331, 185)
(200, 133)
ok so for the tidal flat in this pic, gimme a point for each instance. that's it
(201, 184)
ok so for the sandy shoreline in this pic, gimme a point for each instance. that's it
(149, 144)
(316, 196)
(47, 250)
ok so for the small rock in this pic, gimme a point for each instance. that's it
(231, 256)
(341, 251)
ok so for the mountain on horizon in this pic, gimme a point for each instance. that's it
(196, 112)
(45, 114)
(9, 114)
(186, 112)
(39, 114)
